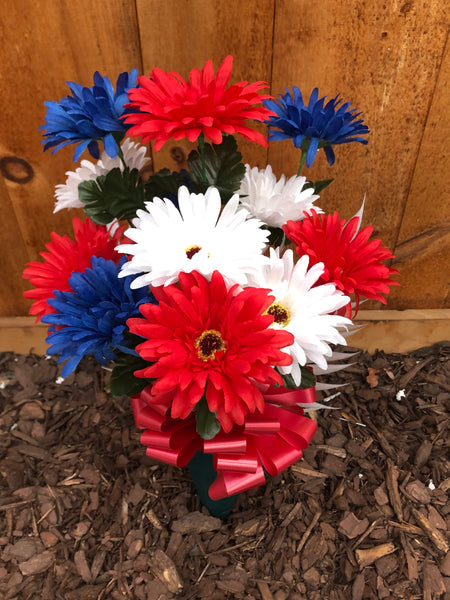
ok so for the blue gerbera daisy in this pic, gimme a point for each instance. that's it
(315, 125)
(89, 115)
(91, 319)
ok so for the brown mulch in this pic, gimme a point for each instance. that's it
(85, 515)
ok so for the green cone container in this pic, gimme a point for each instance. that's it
(203, 474)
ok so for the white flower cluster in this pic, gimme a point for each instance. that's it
(200, 236)
(276, 202)
(66, 194)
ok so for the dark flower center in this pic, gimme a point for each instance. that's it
(279, 313)
(192, 250)
(208, 343)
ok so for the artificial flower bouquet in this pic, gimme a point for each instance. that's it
(217, 292)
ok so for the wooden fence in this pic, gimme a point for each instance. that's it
(390, 58)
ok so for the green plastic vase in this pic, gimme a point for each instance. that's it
(202, 471)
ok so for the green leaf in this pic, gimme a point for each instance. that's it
(308, 380)
(318, 186)
(206, 423)
(224, 169)
(164, 183)
(123, 382)
(116, 195)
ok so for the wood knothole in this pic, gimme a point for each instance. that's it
(16, 169)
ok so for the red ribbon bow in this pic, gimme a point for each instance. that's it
(273, 440)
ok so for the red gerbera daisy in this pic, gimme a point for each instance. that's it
(66, 256)
(170, 107)
(207, 340)
(352, 261)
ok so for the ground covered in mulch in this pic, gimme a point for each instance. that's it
(85, 515)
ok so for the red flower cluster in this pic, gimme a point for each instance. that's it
(65, 257)
(352, 262)
(207, 340)
(170, 107)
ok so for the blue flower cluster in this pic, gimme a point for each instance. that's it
(315, 125)
(89, 115)
(91, 319)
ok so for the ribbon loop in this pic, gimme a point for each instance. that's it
(262, 426)
(282, 395)
(146, 417)
(236, 444)
(178, 458)
(240, 463)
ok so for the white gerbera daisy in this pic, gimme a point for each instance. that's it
(303, 310)
(197, 237)
(66, 194)
(275, 202)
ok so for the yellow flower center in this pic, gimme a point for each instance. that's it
(208, 343)
(279, 313)
(192, 250)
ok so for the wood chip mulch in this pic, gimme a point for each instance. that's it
(85, 515)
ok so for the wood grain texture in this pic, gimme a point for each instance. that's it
(45, 44)
(389, 59)
(396, 334)
(400, 330)
(178, 36)
(400, 336)
(423, 247)
(384, 58)
(13, 256)
(23, 337)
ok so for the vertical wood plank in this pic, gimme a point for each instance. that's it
(423, 248)
(384, 58)
(45, 44)
(13, 256)
(178, 36)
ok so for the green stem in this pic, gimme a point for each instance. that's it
(302, 162)
(120, 155)
(201, 147)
